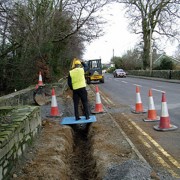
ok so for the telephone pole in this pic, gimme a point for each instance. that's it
(150, 52)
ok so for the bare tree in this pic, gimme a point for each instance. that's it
(55, 19)
(51, 32)
(84, 18)
(152, 19)
(177, 52)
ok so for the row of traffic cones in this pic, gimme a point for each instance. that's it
(54, 108)
(164, 124)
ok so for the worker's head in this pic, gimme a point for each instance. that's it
(77, 63)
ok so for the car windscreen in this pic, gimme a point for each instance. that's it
(119, 70)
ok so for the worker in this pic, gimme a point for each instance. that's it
(77, 83)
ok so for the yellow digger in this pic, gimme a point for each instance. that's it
(93, 70)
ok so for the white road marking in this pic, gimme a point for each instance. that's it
(137, 85)
(158, 90)
(173, 106)
(159, 86)
(124, 82)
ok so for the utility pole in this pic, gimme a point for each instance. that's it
(113, 54)
(150, 50)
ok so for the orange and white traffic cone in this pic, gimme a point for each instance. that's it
(98, 105)
(164, 124)
(54, 107)
(139, 106)
(40, 82)
(152, 115)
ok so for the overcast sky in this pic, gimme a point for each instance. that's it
(117, 39)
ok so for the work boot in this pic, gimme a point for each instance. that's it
(78, 118)
(87, 117)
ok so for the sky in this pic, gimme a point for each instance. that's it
(117, 39)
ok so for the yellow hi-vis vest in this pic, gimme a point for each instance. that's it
(77, 78)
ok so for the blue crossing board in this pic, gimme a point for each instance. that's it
(72, 120)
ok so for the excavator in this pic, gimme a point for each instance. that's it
(93, 70)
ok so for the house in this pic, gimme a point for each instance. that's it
(160, 57)
(108, 65)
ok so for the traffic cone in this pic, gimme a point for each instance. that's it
(98, 105)
(40, 82)
(152, 115)
(54, 108)
(139, 106)
(164, 124)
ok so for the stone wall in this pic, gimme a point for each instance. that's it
(165, 74)
(19, 124)
(23, 97)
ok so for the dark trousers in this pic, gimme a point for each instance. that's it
(77, 95)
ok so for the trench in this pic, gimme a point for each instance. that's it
(81, 162)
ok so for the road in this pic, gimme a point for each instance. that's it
(122, 91)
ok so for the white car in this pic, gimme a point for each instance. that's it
(119, 73)
(104, 71)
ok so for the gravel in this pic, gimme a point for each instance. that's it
(129, 170)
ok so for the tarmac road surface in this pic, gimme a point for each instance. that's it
(167, 143)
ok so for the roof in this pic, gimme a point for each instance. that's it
(158, 60)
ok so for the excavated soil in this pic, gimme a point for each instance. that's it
(91, 151)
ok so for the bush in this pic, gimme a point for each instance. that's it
(110, 70)
(166, 64)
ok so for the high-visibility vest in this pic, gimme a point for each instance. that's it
(77, 78)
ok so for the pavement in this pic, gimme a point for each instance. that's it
(157, 79)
